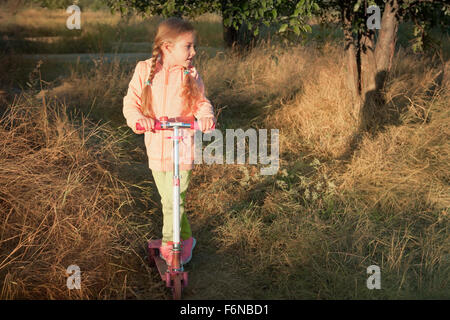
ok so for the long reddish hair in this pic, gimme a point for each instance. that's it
(168, 31)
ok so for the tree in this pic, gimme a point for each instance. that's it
(253, 14)
(370, 61)
(63, 4)
(238, 16)
(369, 53)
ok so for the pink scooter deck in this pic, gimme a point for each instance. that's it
(153, 251)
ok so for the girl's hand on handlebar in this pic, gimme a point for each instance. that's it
(205, 124)
(147, 123)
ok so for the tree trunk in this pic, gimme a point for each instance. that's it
(387, 39)
(372, 102)
(352, 76)
(238, 39)
(351, 54)
(235, 39)
(368, 63)
(376, 63)
(230, 36)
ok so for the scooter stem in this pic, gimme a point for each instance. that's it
(176, 201)
(164, 124)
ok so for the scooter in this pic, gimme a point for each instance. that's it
(174, 276)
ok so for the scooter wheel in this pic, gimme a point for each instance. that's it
(185, 279)
(150, 257)
(176, 290)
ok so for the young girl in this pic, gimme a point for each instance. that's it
(168, 85)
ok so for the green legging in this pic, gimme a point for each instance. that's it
(164, 183)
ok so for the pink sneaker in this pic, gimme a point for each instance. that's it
(188, 246)
(165, 252)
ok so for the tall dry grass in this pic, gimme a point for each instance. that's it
(95, 89)
(40, 30)
(332, 210)
(61, 204)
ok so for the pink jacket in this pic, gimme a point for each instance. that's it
(167, 101)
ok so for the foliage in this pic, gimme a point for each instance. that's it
(424, 14)
(62, 4)
(290, 16)
(425, 17)
(253, 14)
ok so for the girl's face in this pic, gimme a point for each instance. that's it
(181, 52)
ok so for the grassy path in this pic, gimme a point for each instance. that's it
(108, 56)
(309, 232)
(212, 274)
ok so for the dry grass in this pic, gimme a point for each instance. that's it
(40, 30)
(60, 204)
(312, 230)
(406, 166)
(321, 119)
(47, 19)
(96, 89)
(334, 208)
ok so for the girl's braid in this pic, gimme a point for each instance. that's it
(155, 54)
(190, 93)
(147, 91)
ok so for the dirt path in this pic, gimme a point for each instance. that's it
(212, 273)
(122, 56)
(86, 57)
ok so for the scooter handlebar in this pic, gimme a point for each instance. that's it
(194, 125)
